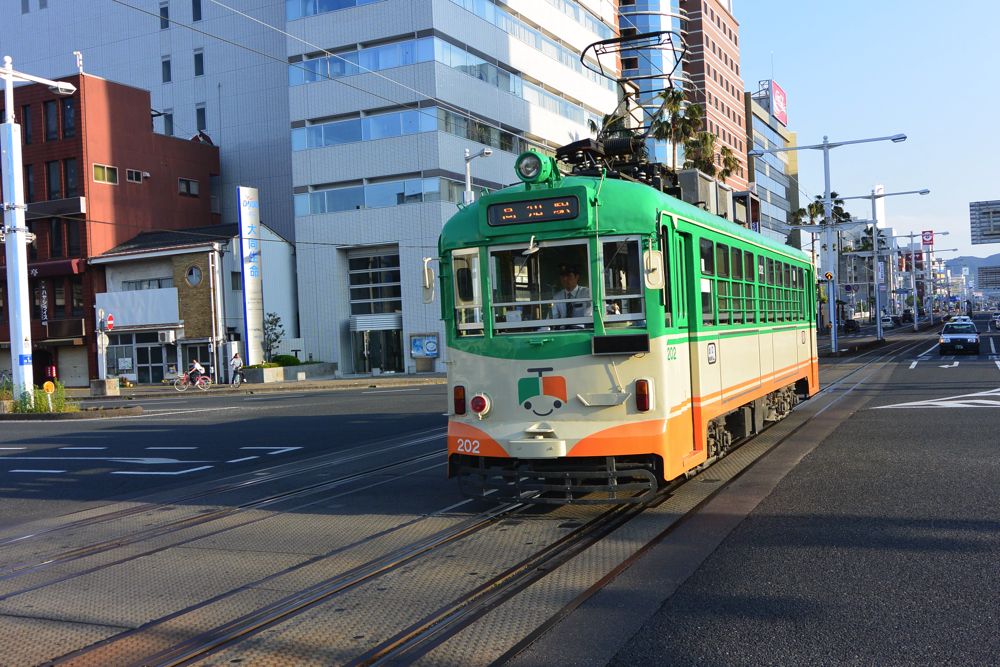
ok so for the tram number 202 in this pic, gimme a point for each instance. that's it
(468, 446)
(671, 353)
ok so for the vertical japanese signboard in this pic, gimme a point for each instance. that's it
(253, 287)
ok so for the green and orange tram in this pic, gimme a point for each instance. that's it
(604, 338)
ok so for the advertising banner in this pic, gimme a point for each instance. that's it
(423, 346)
(779, 108)
(927, 237)
(253, 286)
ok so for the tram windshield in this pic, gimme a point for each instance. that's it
(549, 287)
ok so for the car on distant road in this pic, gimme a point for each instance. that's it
(887, 322)
(851, 326)
(959, 337)
(907, 316)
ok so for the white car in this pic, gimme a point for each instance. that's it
(887, 322)
(959, 337)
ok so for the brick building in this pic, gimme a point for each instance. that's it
(95, 175)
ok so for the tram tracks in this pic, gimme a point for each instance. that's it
(414, 639)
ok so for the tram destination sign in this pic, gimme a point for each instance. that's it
(533, 210)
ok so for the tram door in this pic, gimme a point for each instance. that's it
(680, 274)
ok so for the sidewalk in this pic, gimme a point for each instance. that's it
(321, 383)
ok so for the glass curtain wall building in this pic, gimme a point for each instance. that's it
(774, 177)
(642, 16)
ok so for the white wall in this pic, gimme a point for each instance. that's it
(141, 307)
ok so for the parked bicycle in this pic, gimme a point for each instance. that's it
(183, 382)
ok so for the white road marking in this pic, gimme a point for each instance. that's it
(928, 351)
(982, 399)
(277, 450)
(997, 363)
(148, 461)
(245, 458)
(179, 472)
(273, 398)
(993, 346)
(953, 365)
(913, 365)
(84, 448)
(53, 472)
(171, 448)
(153, 413)
(12, 449)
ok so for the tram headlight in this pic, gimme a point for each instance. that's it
(532, 167)
(480, 404)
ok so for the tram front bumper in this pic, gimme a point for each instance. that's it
(536, 448)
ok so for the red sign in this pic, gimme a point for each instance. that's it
(927, 237)
(110, 322)
(779, 102)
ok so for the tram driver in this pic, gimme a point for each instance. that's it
(574, 299)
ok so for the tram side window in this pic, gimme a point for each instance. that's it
(749, 300)
(707, 253)
(623, 285)
(668, 310)
(468, 300)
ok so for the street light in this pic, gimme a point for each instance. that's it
(469, 196)
(875, 261)
(16, 231)
(830, 261)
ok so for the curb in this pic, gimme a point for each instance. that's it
(329, 385)
(86, 413)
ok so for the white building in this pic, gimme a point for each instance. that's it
(177, 296)
(363, 124)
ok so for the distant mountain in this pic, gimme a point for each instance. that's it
(973, 263)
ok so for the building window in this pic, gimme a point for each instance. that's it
(164, 16)
(193, 276)
(76, 288)
(29, 183)
(187, 187)
(56, 238)
(199, 63)
(168, 123)
(165, 66)
(26, 132)
(195, 10)
(68, 117)
(53, 180)
(51, 112)
(105, 174)
(133, 176)
(237, 281)
(70, 177)
(146, 283)
(25, 6)
(73, 247)
(200, 118)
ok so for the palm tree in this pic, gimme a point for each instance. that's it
(699, 153)
(678, 123)
(729, 163)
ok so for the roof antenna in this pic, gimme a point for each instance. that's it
(79, 61)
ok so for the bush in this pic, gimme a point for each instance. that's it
(266, 364)
(59, 401)
(286, 360)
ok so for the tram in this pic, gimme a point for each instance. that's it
(604, 337)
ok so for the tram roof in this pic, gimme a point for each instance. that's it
(463, 228)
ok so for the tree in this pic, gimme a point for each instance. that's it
(678, 124)
(813, 213)
(699, 152)
(274, 333)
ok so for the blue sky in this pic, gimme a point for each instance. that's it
(853, 69)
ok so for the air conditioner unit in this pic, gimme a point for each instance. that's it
(166, 336)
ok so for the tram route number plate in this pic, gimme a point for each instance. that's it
(534, 210)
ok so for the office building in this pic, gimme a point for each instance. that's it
(774, 177)
(95, 175)
(984, 219)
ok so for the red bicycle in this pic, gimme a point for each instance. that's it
(183, 382)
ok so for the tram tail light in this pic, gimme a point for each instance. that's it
(642, 395)
(458, 394)
(480, 404)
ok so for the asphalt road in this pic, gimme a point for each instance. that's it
(52, 467)
(881, 547)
